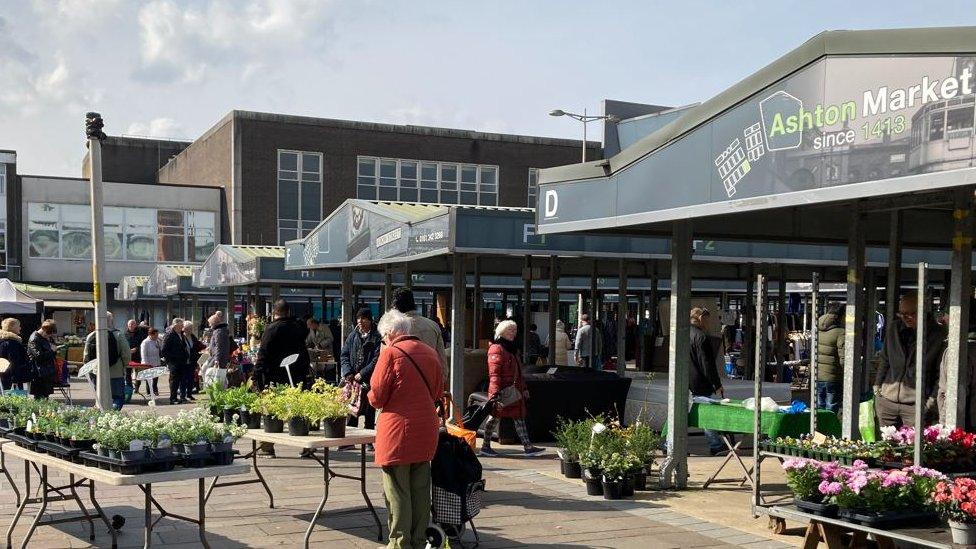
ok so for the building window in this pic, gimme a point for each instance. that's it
(401, 180)
(3, 217)
(959, 122)
(533, 186)
(63, 231)
(299, 193)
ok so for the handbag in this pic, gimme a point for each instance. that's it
(508, 396)
(352, 391)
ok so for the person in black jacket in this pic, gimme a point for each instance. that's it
(358, 359)
(12, 348)
(176, 353)
(135, 335)
(43, 357)
(285, 336)
(703, 378)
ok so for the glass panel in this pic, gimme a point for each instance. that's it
(75, 232)
(469, 174)
(284, 235)
(113, 242)
(448, 172)
(366, 193)
(936, 125)
(533, 176)
(288, 161)
(311, 162)
(288, 223)
(412, 183)
(287, 200)
(960, 120)
(429, 197)
(367, 180)
(388, 193)
(469, 186)
(449, 197)
(309, 225)
(311, 176)
(204, 220)
(408, 169)
(42, 230)
(488, 176)
(201, 244)
(408, 195)
(140, 247)
(388, 168)
(425, 184)
(469, 198)
(311, 202)
(169, 218)
(428, 171)
(489, 199)
(367, 166)
(291, 176)
(171, 248)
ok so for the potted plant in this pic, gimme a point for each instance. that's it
(804, 479)
(956, 502)
(271, 408)
(592, 473)
(332, 408)
(572, 437)
(615, 467)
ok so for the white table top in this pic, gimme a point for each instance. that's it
(118, 479)
(354, 436)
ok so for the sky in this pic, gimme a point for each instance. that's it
(172, 68)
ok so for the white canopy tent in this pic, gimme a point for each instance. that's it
(16, 302)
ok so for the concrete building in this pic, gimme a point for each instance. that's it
(281, 174)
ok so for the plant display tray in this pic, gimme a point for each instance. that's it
(24, 441)
(208, 459)
(153, 465)
(66, 453)
(819, 509)
(889, 520)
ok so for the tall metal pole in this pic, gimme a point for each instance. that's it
(675, 470)
(960, 287)
(477, 305)
(622, 318)
(553, 308)
(584, 135)
(923, 309)
(387, 289)
(758, 378)
(458, 291)
(103, 387)
(854, 327)
(814, 347)
(893, 286)
(347, 303)
(593, 310)
(526, 305)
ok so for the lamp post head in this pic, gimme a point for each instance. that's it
(93, 126)
(557, 112)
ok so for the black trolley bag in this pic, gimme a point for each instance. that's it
(458, 486)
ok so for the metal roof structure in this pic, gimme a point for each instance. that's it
(130, 288)
(236, 265)
(169, 280)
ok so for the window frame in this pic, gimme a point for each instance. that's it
(532, 188)
(416, 185)
(300, 181)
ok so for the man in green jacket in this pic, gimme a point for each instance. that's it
(116, 369)
(830, 358)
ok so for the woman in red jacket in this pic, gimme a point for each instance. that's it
(504, 371)
(403, 387)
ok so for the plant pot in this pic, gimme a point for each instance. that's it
(334, 428)
(103, 451)
(594, 486)
(613, 489)
(159, 453)
(132, 455)
(253, 420)
(628, 490)
(220, 447)
(197, 449)
(640, 480)
(562, 466)
(315, 426)
(229, 417)
(963, 533)
(298, 427)
(273, 425)
(819, 509)
(83, 445)
(114, 454)
(4, 423)
(572, 469)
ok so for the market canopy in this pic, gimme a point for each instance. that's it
(169, 280)
(848, 116)
(234, 265)
(130, 288)
(16, 302)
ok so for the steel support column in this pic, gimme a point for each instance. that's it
(553, 308)
(347, 303)
(814, 342)
(457, 329)
(854, 328)
(595, 363)
(675, 471)
(477, 305)
(526, 305)
(622, 318)
(229, 316)
(749, 324)
(652, 315)
(780, 343)
(960, 288)
(922, 319)
(323, 302)
(893, 284)
(387, 289)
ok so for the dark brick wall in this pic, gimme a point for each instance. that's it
(134, 160)
(340, 146)
(14, 224)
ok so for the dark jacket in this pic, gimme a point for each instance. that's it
(703, 377)
(12, 348)
(830, 348)
(534, 344)
(135, 341)
(219, 347)
(43, 357)
(196, 347)
(175, 351)
(895, 380)
(359, 354)
(282, 338)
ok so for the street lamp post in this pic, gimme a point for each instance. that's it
(103, 386)
(585, 119)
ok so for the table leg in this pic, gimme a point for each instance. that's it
(728, 458)
(84, 511)
(147, 533)
(21, 507)
(257, 473)
(202, 504)
(40, 511)
(362, 487)
(325, 495)
(10, 480)
(101, 513)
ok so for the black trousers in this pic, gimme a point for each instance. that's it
(178, 382)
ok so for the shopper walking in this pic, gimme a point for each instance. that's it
(358, 360)
(533, 346)
(134, 335)
(506, 384)
(703, 377)
(894, 384)
(219, 344)
(149, 350)
(16, 372)
(43, 359)
(562, 344)
(118, 359)
(830, 358)
(196, 348)
(406, 383)
(176, 353)
(285, 336)
(424, 329)
(589, 344)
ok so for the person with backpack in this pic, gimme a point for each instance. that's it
(118, 359)
(43, 359)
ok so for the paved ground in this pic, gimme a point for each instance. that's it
(528, 505)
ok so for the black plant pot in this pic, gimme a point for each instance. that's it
(298, 427)
(628, 490)
(572, 469)
(273, 425)
(314, 426)
(613, 489)
(334, 428)
(562, 467)
(640, 480)
(594, 486)
(253, 420)
(229, 417)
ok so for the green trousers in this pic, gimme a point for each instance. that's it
(407, 492)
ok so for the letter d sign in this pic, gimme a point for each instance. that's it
(552, 203)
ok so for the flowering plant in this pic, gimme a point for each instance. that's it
(956, 499)
(617, 464)
(856, 487)
(803, 477)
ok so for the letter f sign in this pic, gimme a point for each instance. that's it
(552, 203)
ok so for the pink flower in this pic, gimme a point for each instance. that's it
(830, 488)
(856, 481)
(894, 478)
(859, 465)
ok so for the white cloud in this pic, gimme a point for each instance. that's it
(157, 127)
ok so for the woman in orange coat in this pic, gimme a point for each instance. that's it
(404, 385)
(505, 370)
